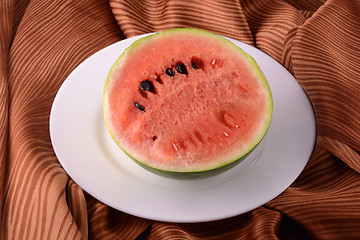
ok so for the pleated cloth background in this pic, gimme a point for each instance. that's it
(42, 41)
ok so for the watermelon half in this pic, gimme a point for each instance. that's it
(186, 103)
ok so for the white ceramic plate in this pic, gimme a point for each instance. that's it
(92, 159)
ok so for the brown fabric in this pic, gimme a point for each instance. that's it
(42, 41)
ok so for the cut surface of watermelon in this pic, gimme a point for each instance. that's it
(186, 101)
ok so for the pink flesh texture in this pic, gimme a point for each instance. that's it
(192, 120)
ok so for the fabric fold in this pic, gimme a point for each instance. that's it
(135, 17)
(42, 42)
(6, 24)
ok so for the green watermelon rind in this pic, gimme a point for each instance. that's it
(224, 165)
(195, 174)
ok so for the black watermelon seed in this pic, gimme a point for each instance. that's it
(170, 72)
(139, 106)
(154, 138)
(194, 66)
(180, 68)
(147, 85)
(159, 80)
(197, 63)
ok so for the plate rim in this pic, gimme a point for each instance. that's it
(171, 218)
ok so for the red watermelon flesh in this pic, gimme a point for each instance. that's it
(186, 100)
